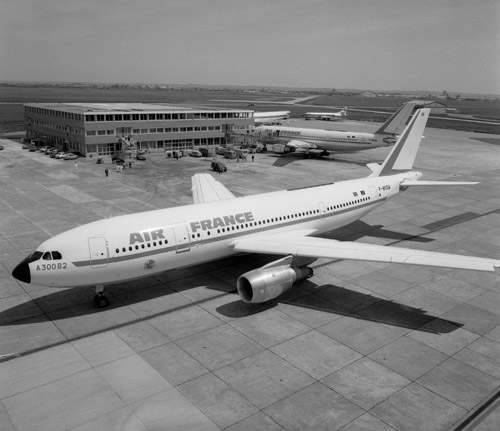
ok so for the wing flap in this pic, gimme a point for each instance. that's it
(327, 248)
(438, 183)
(206, 189)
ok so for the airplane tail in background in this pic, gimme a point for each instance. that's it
(343, 113)
(403, 154)
(397, 121)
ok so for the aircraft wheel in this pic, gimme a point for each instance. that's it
(100, 301)
(311, 272)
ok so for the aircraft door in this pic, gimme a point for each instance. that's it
(322, 210)
(375, 193)
(98, 249)
(181, 234)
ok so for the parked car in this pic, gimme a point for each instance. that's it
(205, 152)
(218, 167)
(42, 149)
(141, 155)
(26, 147)
(230, 154)
(32, 148)
(70, 156)
(60, 155)
(195, 153)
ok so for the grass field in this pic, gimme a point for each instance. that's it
(13, 98)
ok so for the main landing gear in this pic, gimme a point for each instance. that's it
(311, 272)
(100, 301)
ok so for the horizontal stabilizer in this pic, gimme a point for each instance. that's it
(438, 183)
(206, 189)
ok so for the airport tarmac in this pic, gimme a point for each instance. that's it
(360, 346)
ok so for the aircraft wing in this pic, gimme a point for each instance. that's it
(304, 246)
(206, 189)
(295, 143)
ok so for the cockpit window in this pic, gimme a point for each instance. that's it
(54, 255)
(35, 256)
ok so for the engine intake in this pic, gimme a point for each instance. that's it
(270, 281)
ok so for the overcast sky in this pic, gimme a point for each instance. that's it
(432, 45)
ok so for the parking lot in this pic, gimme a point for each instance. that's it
(358, 346)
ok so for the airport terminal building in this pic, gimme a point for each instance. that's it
(96, 129)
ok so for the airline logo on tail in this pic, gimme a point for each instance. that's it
(402, 155)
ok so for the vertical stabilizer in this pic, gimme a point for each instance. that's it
(403, 154)
(397, 121)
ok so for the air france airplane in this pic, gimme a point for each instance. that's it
(218, 224)
(272, 117)
(326, 116)
(321, 142)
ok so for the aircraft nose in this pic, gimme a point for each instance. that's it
(22, 272)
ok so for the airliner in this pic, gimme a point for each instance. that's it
(271, 117)
(321, 142)
(326, 116)
(217, 224)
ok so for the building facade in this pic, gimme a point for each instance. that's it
(95, 129)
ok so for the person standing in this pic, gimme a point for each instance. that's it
(106, 171)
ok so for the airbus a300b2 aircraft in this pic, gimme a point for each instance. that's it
(218, 224)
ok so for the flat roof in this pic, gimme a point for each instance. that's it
(81, 108)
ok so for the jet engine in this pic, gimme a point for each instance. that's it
(271, 280)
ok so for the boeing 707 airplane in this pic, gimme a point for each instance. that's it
(271, 117)
(326, 116)
(321, 142)
(218, 224)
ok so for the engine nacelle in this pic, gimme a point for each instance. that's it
(266, 283)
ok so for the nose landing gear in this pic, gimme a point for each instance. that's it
(100, 301)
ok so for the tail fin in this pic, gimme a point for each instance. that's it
(397, 121)
(403, 154)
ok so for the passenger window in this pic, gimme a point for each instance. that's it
(47, 256)
(56, 255)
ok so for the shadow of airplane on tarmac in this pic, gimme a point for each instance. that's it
(287, 159)
(360, 229)
(345, 302)
(327, 298)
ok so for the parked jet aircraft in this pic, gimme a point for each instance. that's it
(322, 142)
(272, 117)
(327, 116)
(218, 225)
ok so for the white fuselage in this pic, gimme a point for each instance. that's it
(270, 117)
(142, 244)
(328, 140)
(327, 116)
